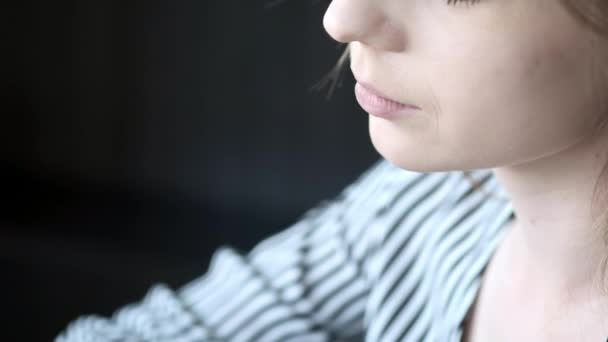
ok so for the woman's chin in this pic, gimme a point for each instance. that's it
(402, 158)
(410, 158)
(395, 147)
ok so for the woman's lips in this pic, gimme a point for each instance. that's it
(378, 105)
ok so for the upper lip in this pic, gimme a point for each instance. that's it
(375, 91)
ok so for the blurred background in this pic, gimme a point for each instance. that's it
(139, 136)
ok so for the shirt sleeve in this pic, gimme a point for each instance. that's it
(309, 282)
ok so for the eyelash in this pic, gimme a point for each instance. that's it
(468, 2)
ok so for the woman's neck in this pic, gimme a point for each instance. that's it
(554, 239)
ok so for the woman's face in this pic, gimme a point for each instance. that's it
(498, 82)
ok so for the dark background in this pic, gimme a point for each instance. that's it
(138, 136)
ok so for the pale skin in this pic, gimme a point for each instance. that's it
(519, 87)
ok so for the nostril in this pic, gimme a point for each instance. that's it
(366, 22)
(334, 28)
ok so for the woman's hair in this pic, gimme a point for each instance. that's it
(593, 15)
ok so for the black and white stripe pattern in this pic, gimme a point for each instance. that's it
(396, 256)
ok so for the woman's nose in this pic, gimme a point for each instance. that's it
(364, 21)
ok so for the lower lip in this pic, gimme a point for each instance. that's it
(379, 106)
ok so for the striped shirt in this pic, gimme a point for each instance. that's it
(396, 256)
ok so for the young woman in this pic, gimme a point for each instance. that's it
(513, 93)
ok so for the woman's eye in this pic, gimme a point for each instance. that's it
(468, 2)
